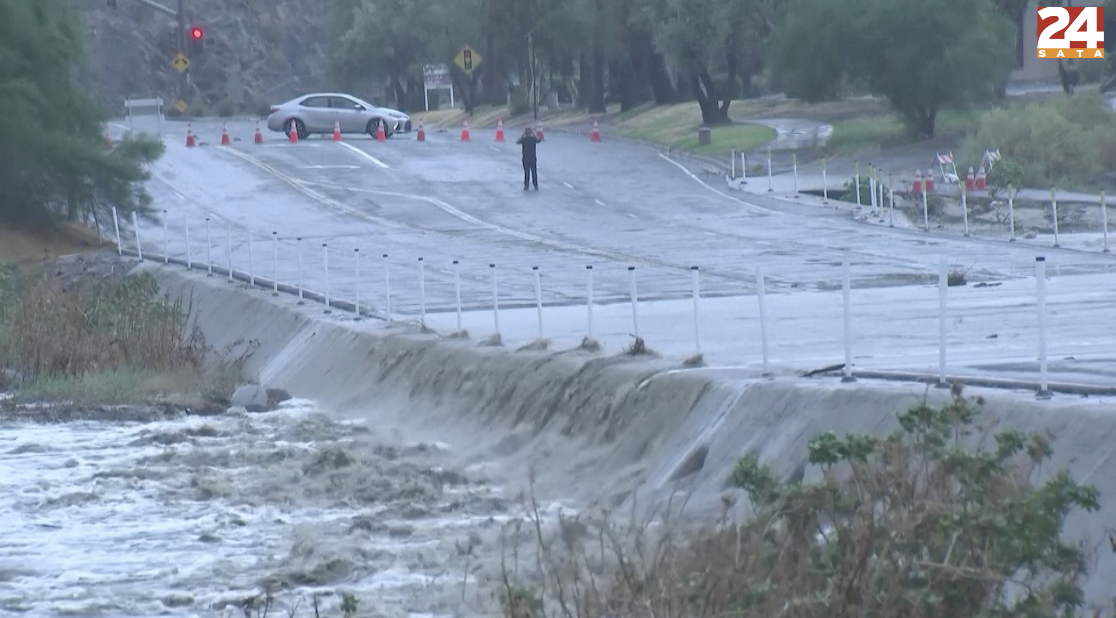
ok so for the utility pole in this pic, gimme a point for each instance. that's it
(184, 76)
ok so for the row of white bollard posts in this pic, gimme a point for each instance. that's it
(943, 283)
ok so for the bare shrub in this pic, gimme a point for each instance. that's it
(938, 519)
(98, 326)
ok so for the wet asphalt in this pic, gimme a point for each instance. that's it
(611, 205)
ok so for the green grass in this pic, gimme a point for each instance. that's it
(669, 132)
(125, 386)
(859, 135)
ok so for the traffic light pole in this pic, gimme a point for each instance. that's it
(184, 76)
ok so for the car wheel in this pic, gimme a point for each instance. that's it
(299, 128)
(374, 126)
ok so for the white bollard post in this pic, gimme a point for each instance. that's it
(356, 301)
(1104, 220)
(189, 253)
(872, 192)
(825, 184)
(880, 187)
(116, 224)
(847, 293)
(794, 167)
(422, 292)
(965, 208)
(760, 297)
(275, 263)
(325, 267)
(387, 289)
(538, 296)
(1040, 276)
(697, 309)
(890, 201)
(298, 257)
(1054, 214)
(856, 176)
(135, 227)
(732, 160)
(943, 315)
(770, 188)
(925, 209)
(208, 250)
(166, 240)
(635, 300)
(228, 248)
(457, 290)
(589, 297)
(251, 268)
(1011, 212)
(743, 166)
(495, 299)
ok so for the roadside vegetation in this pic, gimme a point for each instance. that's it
(56, 163)
(939, 518)
(104, 341)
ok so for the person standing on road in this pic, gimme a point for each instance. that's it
(530, 164)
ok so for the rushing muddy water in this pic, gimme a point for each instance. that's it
(189, 517)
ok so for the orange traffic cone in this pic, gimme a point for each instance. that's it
(981, 179)
(189, 136)
(259, 136)
(595, 136)
(336, 130)
(294, 133)
(539, 132)
(499, 129)
(970, 181)
(108, 138)
(916, 187)
(224, 134)
(421, 133)
(381, 133)
(465, 131)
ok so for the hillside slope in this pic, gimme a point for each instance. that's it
(257, 51)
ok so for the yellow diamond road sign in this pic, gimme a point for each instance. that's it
(467, 59)
(181, 62)
(180, 105)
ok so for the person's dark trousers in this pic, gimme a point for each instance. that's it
(530, 173)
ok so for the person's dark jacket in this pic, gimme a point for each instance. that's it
(528, 142)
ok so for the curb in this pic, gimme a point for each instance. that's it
(1069, 388)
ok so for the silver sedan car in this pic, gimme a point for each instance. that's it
(318, 112)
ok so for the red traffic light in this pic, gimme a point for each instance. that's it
(196, 34)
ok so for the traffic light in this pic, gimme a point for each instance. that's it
(467, 59)
(195, 41)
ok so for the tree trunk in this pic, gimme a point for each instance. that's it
(662, 89)
(730, 76)
(705, 91)
(400, 93)
(585, 80)
(597, 98)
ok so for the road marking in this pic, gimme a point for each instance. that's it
(331, 167)
(718, 192)
(568, 185)
(494, 148)
(599, 203)
(631, 215)
(365, 155)
(181, 197)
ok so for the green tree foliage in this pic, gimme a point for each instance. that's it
(920, 54)
(55, 160)
(923, 522)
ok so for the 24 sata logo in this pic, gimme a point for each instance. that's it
(1071, 32)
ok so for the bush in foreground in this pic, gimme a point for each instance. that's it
(1067, 142)
(918, 523)
(103, 340)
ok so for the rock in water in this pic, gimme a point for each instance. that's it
(251, 397)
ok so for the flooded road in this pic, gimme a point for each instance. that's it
(190, 517)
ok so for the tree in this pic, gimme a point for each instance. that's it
(55, 161)
(919, 54)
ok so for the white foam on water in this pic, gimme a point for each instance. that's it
(138, 519)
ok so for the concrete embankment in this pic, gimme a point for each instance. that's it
(598, 426)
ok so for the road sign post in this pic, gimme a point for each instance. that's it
(436, 77)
